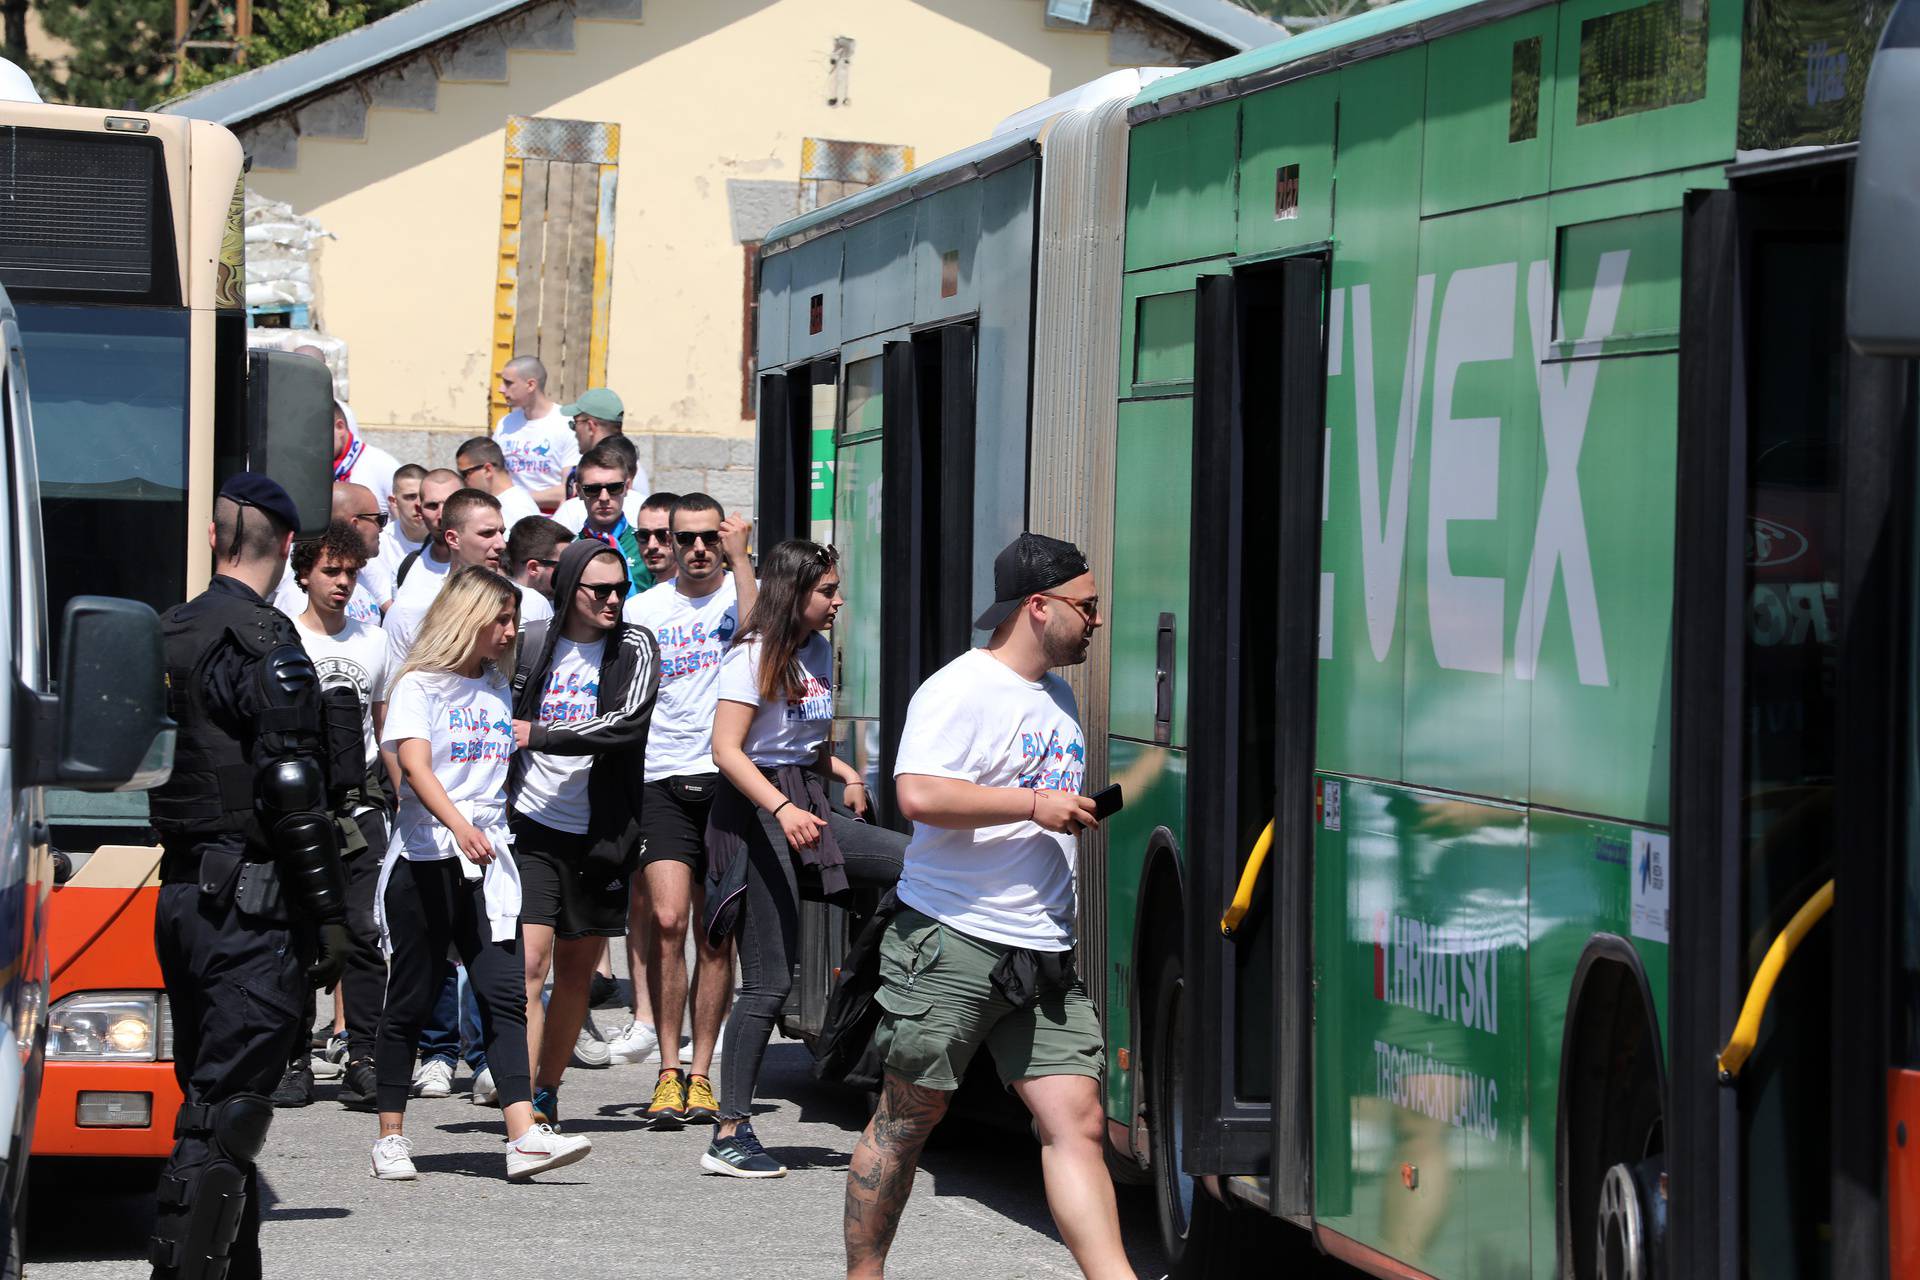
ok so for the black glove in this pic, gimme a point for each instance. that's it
(338, 944)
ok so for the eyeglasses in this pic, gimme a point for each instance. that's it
(1088, 607)
(604, 591)
(687, 537)
(662, 536)
(379, 518)
(595, 490)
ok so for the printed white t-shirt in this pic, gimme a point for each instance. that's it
(978, 720)
(784, 731)
(540, 451)
(516, 504)
(553, 791)
(694, 635)
(395, 546)
(410, 604)
(468, 724)
(357, 659)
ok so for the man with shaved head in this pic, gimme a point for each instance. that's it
(536, 437)
(355, 506)
(422, 573)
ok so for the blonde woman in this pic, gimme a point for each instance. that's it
(449, 880)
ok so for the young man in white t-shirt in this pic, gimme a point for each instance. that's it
(694, 618)
(356, 507)
(408, 531)
(989, 769)
(583, 698)
(535, 436)
(533, 552)
(348, 652)
(483, 466)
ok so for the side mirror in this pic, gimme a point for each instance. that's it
(290, 431)
(1883, 272)
(106, 729)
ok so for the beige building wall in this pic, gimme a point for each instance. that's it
(705, 91)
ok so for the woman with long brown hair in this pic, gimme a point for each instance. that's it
(771, 824)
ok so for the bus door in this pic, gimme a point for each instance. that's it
(1257, 489)
(1789, 700)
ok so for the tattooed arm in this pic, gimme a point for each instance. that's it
(880, 1176)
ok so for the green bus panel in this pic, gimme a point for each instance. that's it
(1580, 882)
(1156, 351)
(1374, 401)
(1286, 166)
(1644, 87)
(1180, 187)
(1155, 779)
(1490, 94)
(856, 534)
(1420, 1045)
(1153, 502)
(1470, 513)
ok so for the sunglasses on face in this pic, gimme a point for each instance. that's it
(1088, 607)
(379, 518)
(595, 490)
(662, 536)
(604, 591)
(687, 537)
(551, 564)
(465, 472)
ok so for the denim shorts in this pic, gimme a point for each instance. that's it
(939, 1006)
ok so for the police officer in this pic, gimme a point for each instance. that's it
(252, 888)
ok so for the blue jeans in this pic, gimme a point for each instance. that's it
(453, 1030)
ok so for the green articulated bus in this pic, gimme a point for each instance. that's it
(1492, 423)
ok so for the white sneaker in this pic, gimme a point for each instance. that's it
(637, 1043)
(393, 1159)
(589, 1050)
(434, 1079)
(540, 1149)
(484, 1094)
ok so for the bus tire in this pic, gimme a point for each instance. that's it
(1200, 1236)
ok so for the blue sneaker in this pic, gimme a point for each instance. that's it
(546, 1107)
(741, 1156)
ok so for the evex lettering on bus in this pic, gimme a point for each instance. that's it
(1437, 970)
(1435, 1089)
(1475, 326)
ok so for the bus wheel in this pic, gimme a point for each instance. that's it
(1199, 1235)
(1632, 1221)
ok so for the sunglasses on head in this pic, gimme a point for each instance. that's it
(604, 591)
(610, 490)
(687, 537)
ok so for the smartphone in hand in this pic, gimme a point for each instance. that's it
(1108, 802)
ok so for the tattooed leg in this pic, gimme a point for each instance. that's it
(880, 1176)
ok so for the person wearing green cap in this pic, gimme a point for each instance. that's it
(598, 416)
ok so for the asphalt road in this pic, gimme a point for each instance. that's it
(638, 1206)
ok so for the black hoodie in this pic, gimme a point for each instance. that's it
(616, 737)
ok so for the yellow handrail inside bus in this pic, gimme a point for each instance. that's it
(1747, 1030)
(1243, 895)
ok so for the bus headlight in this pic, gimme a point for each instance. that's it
(104, 1026)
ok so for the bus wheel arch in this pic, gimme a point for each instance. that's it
(1160, 933)
(1610, 1143)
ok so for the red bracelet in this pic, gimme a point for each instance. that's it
(1034, 812)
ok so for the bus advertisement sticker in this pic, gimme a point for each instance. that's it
(1330, 806)
(1648, 871)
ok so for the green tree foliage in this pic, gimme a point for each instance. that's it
(124, 49)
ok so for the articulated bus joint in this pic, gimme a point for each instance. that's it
(1746, 1031)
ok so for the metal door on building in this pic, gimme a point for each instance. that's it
(556, 252)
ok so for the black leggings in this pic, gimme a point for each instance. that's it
(430, 907)
(769, 937)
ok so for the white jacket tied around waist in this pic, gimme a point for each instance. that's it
(501, 890)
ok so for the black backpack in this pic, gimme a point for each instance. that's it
(845, 1052)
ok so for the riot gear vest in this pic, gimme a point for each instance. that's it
(211, 790)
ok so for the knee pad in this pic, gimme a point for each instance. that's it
(201, 1204)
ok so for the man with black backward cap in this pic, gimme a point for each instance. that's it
(989, 770)
(253, 901)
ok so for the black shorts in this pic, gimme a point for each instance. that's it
(673, 820)
(558, 889)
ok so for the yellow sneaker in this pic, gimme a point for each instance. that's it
(668, 1110)
(702, 1106)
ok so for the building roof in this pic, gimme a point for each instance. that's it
(1375, 31)
(303, 75)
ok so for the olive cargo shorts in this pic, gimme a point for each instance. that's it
(939, 1006)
